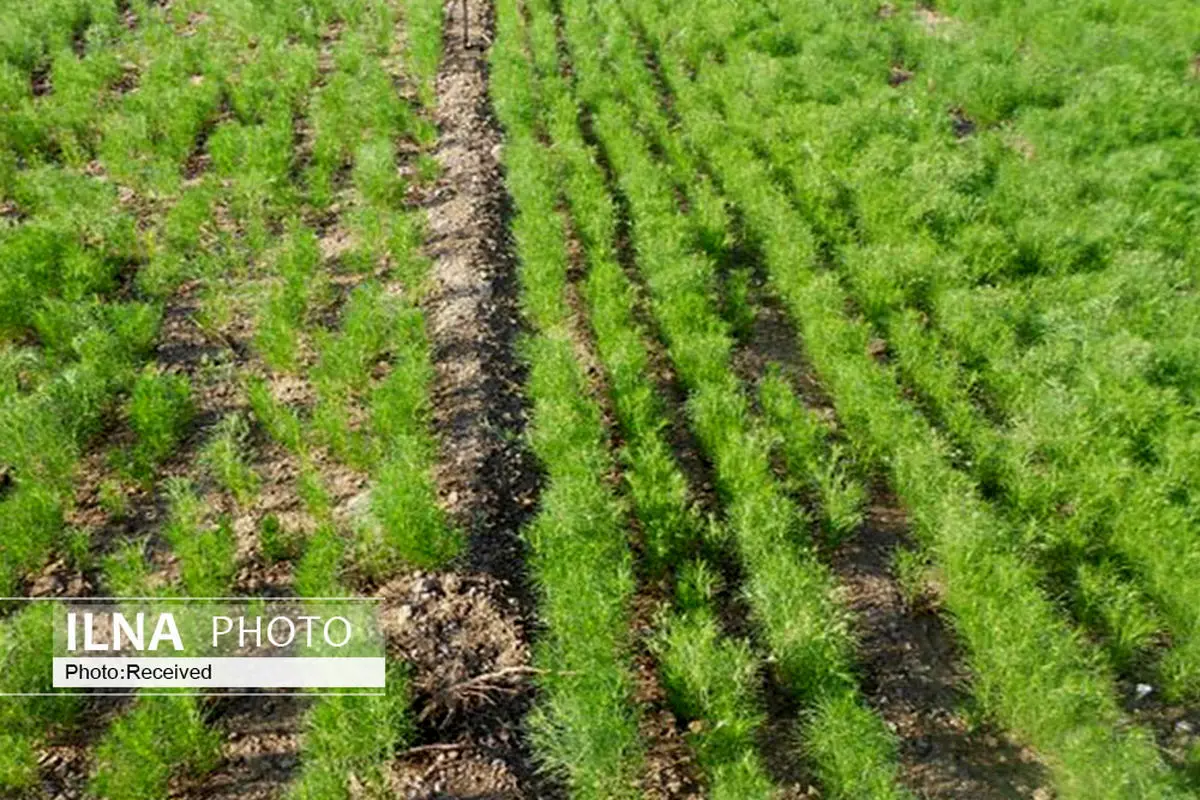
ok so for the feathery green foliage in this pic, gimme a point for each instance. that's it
(1014, 634)
(25, 638)
(225, 458)
(788, 588)
(160, 408)
(584, 726)
(348, 738)
(161, 736)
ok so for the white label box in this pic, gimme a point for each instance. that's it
(223, 673)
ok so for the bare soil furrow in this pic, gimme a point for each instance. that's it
(260, 751)
(465, 635)
(487, 480)
(671, 771)
(466, 649)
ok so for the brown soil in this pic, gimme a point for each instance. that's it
(64, 764)
(39, 81)
(463, 641)
(131, 75)
(671, 771)
(260, 748)
(771, 341)
(934, 22)
(465, 635)
(460, 636)
(486, 478)
(962, 124)
(1175, 725)
(898, 76)
(780, 744)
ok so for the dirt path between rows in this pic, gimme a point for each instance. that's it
(916, 678)
(466, 634)
(486, 476)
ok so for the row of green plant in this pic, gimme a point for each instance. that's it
(358, 122)
(1034, 675)
(1068, 546)
(695, 657)
(350, 739)
(30, 34)
(584, 726)
(1104, 407)
(252, 161)
(941, 214)
(789, 589)
(161, 737)
(74, 343)
(381, 426)
(1124, 201)
(905, 202)
(72, 352)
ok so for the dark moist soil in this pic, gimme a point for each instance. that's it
(671, 771)
(465, 635)
(39, 81)
(260, 748)
(463, 641)
(485, 475)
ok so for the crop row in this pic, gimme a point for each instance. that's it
(584, 726)
(709, 677)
